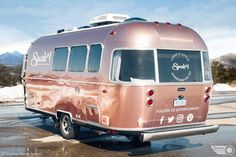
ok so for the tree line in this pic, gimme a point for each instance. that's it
(10, 75)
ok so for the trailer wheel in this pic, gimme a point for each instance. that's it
(67, 128)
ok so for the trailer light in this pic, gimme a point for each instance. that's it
(113, 33)
(179, 24)
(156, 22)
(149, 102)
(150, 93)
(206, 98)
(207, 89)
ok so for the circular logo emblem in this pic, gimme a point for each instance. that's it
(180, 66)
(190, 117)
(180, 118)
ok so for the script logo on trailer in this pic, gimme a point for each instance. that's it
(180, 67)
(44, 59)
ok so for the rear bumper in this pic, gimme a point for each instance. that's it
(157, 134)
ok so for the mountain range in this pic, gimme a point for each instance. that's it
(11, 59)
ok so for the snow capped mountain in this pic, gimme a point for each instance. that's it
(11, 59)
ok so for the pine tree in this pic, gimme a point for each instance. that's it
(214, 71)
(221, 73)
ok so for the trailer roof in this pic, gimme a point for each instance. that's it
(163, 35)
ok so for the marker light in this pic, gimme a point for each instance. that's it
(156, 22)
(149, 102)
(206, 98)
(207, 89)
(150, 93)
(113, 33)
(179, 24)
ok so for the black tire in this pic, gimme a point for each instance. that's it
(67, 128)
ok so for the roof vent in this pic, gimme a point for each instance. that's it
(107, 19)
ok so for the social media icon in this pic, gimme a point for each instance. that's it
(180, 118)
(161, 120)
(170, 119)
(190, 117)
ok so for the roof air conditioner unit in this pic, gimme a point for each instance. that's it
(107, 19)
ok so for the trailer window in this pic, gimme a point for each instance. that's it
(206, 65)
(179, 66)
(60, 59)
(133, 66)
(94, 58)
(77, 60)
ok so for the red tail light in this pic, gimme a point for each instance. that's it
(150, 93)
(206, 98)
(149, 102)
(207, 90)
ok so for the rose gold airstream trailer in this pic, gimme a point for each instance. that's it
(146, 80)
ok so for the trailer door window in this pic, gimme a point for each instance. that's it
(94, 58)
(179, 66)
(60, 59)
(77, 60)
(206, 65)
(133, 66)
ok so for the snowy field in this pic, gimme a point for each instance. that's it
(12, 94)
(223, 87)
(16, 93)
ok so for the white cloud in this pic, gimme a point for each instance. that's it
(213, 21)
(13, 39)
(219, 40)
(67, 15)
(21, 46)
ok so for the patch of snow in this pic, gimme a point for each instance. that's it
(223, 87)
(54, 138)
(15, 93)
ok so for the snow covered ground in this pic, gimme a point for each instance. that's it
(16, 93)
(223, 87)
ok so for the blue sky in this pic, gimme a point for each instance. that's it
(22, 21)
